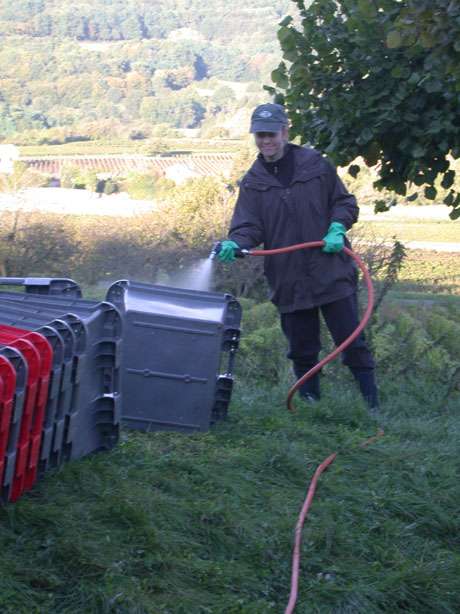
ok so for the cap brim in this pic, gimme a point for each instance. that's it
(266, 127)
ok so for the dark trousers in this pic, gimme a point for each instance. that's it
(302, 329)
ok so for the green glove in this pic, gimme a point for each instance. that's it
(227, 251)
(334, 241)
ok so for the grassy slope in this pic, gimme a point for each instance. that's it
(168, 523)
(204, 523)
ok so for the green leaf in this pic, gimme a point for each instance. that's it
(412, 197)
(286, 21)
(419, 180)
(381, 205)
(399, 186)
(291, 55)
(286, 36)
(394, 39)
(431, 192)
(448, 179)
(371, 154)
(279, 78)
(449, 199)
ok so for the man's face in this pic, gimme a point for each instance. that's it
(271, 144)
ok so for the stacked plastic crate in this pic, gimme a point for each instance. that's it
(72, 370)
(65, 368)
(178, 354)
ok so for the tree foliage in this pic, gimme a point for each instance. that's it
(66, 64)
(129, 19)
(378, 79)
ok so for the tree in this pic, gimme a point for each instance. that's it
(378, 79)
(178, 78)
(199, 211)
(185, 113)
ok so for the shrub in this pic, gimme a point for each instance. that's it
(262, 346)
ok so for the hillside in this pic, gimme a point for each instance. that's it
(127, 19)
(123, 63)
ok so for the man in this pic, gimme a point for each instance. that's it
(291, 195)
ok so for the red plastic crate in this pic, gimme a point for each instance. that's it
(45, 351)
(33, 359)
(7, 389)
(46, 354)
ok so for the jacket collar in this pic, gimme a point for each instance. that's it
(307, 164)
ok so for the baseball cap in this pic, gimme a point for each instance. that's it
(269, 117)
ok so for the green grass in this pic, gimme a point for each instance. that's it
(169, 523)
(203, 524)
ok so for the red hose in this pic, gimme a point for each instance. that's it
(330, 459)
(298, 532)
(356, 332)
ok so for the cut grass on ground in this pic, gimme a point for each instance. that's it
(180, 524)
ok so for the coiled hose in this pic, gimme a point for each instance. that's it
(356, 332)
(330, 459)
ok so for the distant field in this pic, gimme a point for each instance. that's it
(431, 272)
(424, 271)
(82, 148)
(417, 230)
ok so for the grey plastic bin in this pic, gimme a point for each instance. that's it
(177, 357)
(44, 285)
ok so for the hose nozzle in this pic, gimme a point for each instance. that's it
(239, 253)
(215, 249)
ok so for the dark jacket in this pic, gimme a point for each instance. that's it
(269, 214)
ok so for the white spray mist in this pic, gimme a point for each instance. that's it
(198, 276)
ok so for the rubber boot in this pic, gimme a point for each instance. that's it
(368, 387)
(310, 390)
